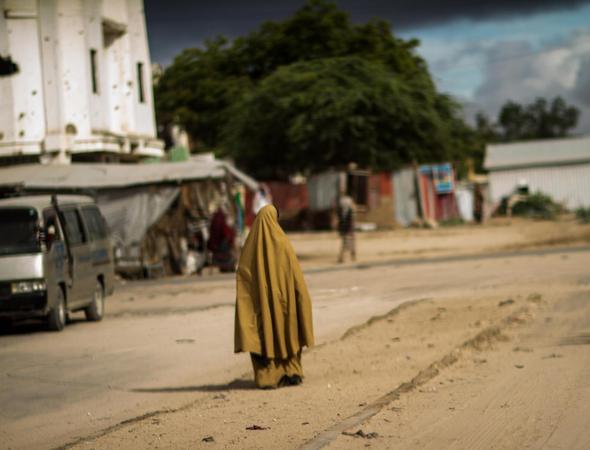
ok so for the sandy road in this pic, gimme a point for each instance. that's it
(168, 345)
(58, 387)
(347, 376)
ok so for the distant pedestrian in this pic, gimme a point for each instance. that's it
(346, 212)
(273, 307)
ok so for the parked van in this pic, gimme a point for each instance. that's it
(55, 258)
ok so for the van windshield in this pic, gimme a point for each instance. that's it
(18, 231)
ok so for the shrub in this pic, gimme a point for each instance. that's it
(456, 221)
(537, 206)
(583, 215)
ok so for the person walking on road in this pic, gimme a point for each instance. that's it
(273, 308)
(346, 228)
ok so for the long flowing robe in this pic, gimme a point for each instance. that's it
(273, 307)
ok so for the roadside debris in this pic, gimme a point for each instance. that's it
(362, 434)
(535, 297)
(257, 427)
(519, 366)
(208, 439)
(506, 302)
(553, 355)
(522, 349)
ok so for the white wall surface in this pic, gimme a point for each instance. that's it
(143, 113)
(567, 184)
(23, 120)
(75, 63)
(6, 101)
(53, 89)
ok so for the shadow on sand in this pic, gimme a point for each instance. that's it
(32, 326)
(238, 384)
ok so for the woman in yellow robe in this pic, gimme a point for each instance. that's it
(273, 308)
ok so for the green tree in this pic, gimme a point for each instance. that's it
(538, 120)
(325, 113)
(512, 120)
(196, 91)
(310, 92)
(484, 127)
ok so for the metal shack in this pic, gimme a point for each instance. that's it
(372, 193)
(556, 167)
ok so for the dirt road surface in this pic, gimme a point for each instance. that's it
(159, 372)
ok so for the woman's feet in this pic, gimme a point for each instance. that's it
(290, 380)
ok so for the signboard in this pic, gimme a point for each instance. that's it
(442, 177)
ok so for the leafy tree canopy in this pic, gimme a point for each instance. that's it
(324, 113)
(311, 92)
(541, 119)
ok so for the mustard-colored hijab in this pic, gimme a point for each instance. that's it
(273, 308)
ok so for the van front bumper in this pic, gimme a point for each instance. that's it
(22, 306)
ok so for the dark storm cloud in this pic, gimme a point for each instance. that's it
(177, 24)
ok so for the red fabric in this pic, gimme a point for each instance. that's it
(446, 207)
(385, 185)
(288, 198)
(219, 232)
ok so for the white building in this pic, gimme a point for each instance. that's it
(557, 167)
(83, 91)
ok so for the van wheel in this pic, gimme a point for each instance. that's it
(56, 320)
(95, 311)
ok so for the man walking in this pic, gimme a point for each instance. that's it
(346, 228)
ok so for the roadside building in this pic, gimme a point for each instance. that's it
(372, 193)
(83, 89)
(424, 194)
(557, 167)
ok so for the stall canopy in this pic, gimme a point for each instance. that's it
(31, 177)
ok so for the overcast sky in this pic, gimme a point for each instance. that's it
(482, 52)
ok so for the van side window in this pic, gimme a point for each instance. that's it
(73, 225)
(95, 223)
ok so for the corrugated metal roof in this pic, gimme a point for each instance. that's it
(546, 152)
(250, 182)
(104, 176)
(44, 201)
